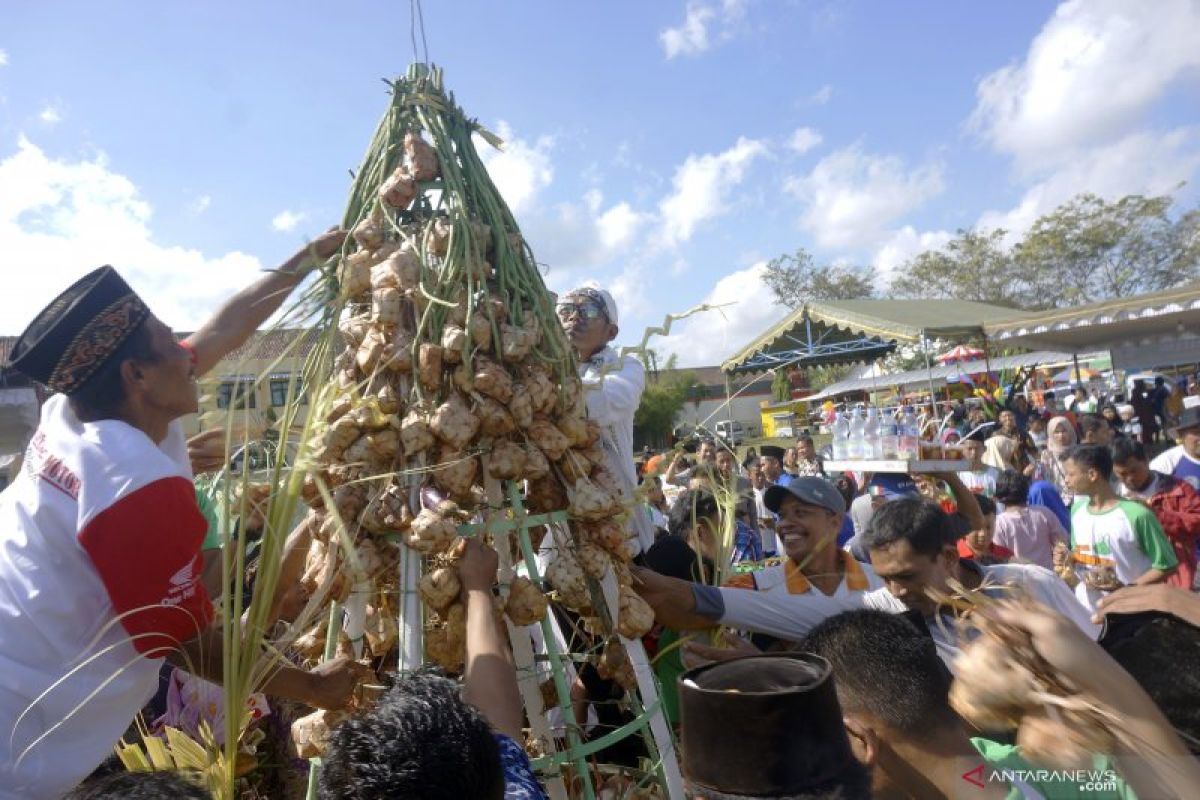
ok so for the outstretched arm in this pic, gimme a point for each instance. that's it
(243, 313)
(489, 678)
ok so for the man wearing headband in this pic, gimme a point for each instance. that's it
(100, 535)
(612, 386)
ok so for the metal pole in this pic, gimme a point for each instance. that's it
(929, 372)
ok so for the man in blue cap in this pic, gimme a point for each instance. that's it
(809, 512)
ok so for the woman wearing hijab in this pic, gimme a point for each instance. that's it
(1060, 437)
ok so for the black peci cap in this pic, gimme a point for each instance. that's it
(763, 725)
(74, 336)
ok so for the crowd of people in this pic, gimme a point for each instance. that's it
(830, 600)
(1066, 508)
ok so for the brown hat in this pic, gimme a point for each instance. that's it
(763, 725)
(74, 336)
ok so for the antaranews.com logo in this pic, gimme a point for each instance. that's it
(1084, 780)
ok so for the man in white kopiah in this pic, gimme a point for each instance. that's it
(612, 387)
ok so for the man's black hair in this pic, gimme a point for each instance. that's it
(918, 521)
(805, 438)
(691, 506)
(156, 785)
(103, 393)
(1093, 456)
(885, 667)
(1164, 658)
(420, 741)
(1090, 423)
(1012, 488)
(1126, 448)
(986, 504)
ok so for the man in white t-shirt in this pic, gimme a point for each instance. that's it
(980, 478)
(100, 535)
(1183, 460)
(1114, 542)
(913, 550)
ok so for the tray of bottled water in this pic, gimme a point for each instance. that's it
(910, 467)
(874, 442)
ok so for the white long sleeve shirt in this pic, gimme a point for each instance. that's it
(613, 389)
(791, 616)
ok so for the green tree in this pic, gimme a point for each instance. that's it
(796, 278)
(1087, 249)
(1094, 249)
(974, 265)
(781, 387)
(662, 400)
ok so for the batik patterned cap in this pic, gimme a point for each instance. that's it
(74, 336)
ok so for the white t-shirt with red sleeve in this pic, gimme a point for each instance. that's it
(99, 579)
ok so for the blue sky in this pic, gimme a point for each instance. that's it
(664, 149)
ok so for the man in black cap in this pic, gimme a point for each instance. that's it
(771, 463)
(1183, 460)
(767, 727)
(100, 535)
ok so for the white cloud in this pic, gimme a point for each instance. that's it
(1090, 74)
(902, 245)
(619, 226)
(200, 205)
(693, 36)
(286, 221)
(521, 169)
(3, 58)
(1141, 163)
(702, 188)
(748, 308)
(50, 116)
(852, 197)
(804, 139)
(60, 219)
(821, 96)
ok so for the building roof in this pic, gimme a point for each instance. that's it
(845, 331)
(943, 374)
(1105, 325)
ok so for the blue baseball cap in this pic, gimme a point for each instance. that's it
(810, 490)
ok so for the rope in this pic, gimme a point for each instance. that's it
(417, 23)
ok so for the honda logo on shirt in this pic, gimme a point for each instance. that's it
(182, 585)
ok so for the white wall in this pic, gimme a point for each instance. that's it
(743, 408)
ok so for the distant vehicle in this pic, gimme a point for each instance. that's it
(731, 431)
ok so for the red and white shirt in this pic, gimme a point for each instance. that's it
(99, 579)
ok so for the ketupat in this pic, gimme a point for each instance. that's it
(453, 371)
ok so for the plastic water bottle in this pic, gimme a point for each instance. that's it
(910, 441)
(841, 437)
(872, 444)
(889, 436)
(857, 442)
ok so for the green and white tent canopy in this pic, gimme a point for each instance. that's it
(848, 331)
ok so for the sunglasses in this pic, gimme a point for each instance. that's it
(588, 311)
